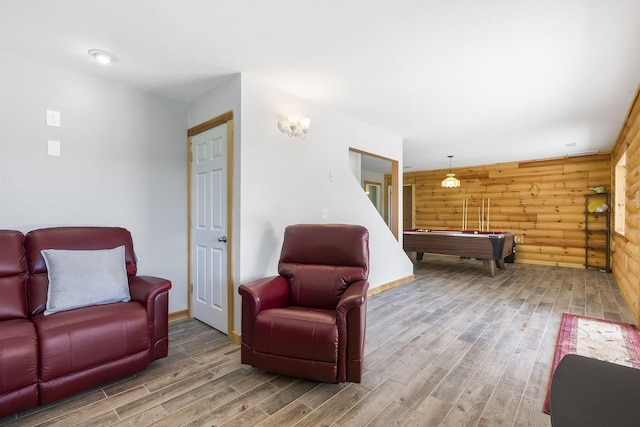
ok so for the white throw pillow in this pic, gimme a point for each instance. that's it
(80, 278)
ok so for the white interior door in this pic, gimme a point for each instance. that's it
(209, 227)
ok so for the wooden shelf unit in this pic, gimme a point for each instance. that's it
(597, 234)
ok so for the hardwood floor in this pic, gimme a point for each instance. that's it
(454, 347)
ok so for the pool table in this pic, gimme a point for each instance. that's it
(490, 246)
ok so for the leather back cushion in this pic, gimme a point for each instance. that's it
(322, 260)
(84, 238)
(13, 276)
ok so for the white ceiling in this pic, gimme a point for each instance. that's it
(486, 81)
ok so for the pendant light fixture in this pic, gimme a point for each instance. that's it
(450, 181)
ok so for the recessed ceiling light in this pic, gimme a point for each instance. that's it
(101, 56)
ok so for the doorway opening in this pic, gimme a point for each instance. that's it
(210, 199)
(378, 177)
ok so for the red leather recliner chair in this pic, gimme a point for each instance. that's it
(310, 321)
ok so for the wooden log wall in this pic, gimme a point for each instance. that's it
(541, 201)
(625, 257)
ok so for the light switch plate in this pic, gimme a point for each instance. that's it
(53, 148)
(53, 118)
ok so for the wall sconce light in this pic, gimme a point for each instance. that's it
(450, 181)
(295, 126)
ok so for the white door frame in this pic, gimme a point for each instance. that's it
(226, 118)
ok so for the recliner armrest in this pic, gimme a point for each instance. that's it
(354, 296)
(259, 295)
(351, 317)
(153, 294)
(269, 292)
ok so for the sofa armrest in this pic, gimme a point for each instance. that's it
(145, 289)
(153, 294)
(351, 316)
(259, 295)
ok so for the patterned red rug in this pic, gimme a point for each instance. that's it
(613, 342)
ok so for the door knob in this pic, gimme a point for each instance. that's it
(222, 239)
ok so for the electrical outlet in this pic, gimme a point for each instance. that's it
(325, 213)
(519, 239)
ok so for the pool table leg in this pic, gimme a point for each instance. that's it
(490, 266)
(419, 256)
(500, 263)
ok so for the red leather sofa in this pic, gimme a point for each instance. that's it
(310, 320)
(44, 358)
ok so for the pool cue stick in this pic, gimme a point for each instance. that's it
(463, 211)
(488, 212)
(482, 217)
(479, 223)
(466, 213)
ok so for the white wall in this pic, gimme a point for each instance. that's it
(225, 97)
(123, 162)
(355, 164)
(280, 180)
(287, 181)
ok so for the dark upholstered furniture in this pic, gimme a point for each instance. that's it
(18, 339)
(45, 358)
(588, 392)
(310, 321)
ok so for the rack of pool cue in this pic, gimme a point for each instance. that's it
(483, 220)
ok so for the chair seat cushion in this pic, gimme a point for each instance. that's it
(18, 356)
(83, 338)
(297, 332)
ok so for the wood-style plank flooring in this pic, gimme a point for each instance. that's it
(454, 347)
